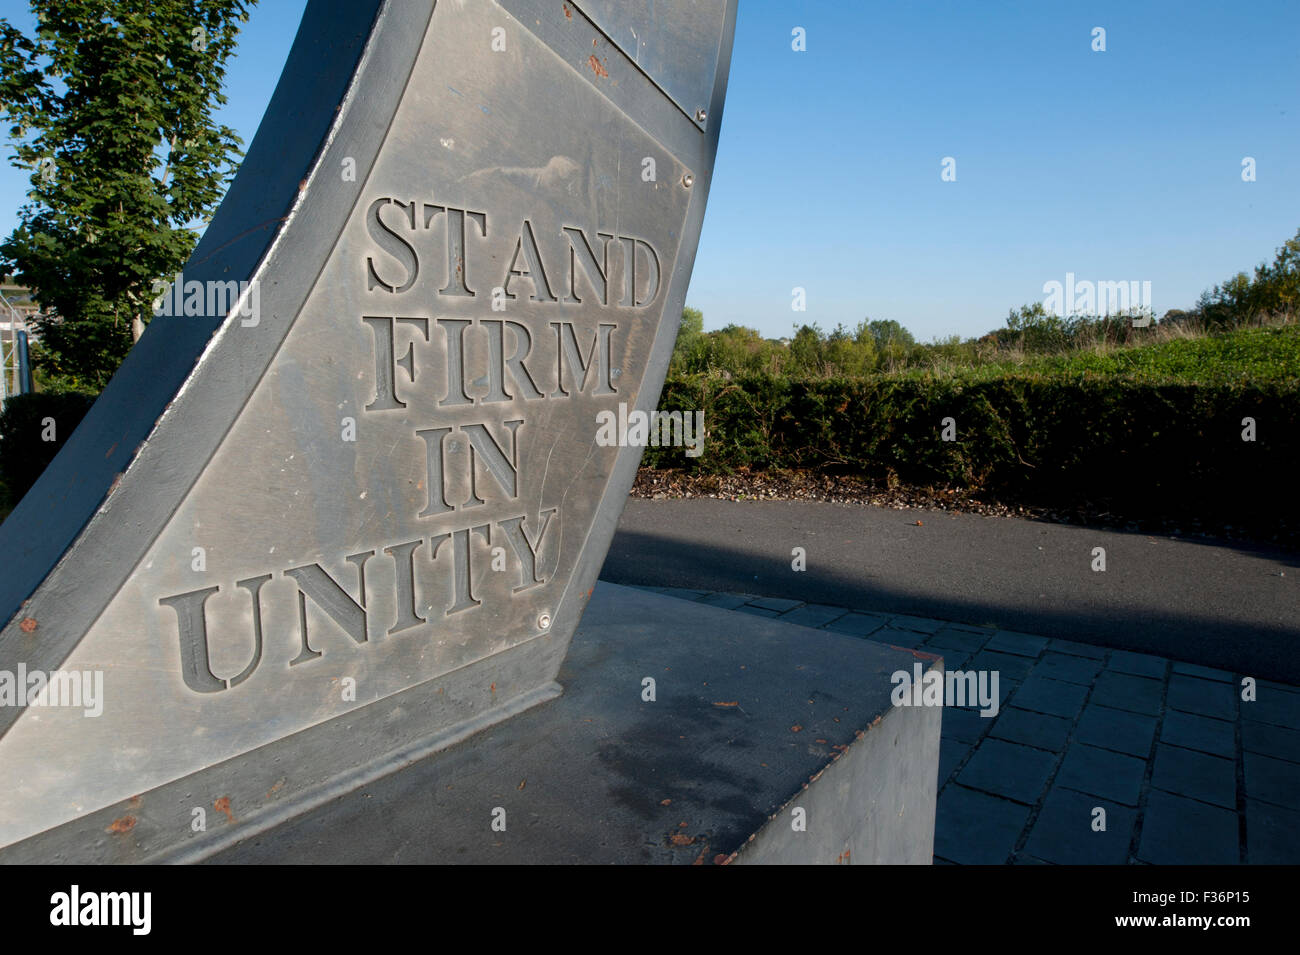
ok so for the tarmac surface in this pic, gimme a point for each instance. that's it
(1226, 605)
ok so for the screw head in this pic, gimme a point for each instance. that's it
(701, 115)
(544, 621)
(688, 180)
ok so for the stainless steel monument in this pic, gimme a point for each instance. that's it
(343, 504)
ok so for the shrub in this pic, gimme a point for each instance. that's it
(24, 426)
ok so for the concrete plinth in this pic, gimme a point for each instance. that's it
(757, 741)
(751, 719)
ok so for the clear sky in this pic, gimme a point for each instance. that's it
(1117, 166)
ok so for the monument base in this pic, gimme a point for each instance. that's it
(685, 734)
(747, 721)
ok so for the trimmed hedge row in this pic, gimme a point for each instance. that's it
(1118, 445)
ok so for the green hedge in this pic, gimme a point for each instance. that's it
(1127, 446)
(24, 452)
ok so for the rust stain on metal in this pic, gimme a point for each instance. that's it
(274, 789)
(680, 839)
(568, 14)
(665, 802)
(596, 66)
(727, 703)
(134, 802)
(796, 728)
(222, 805)
(109, 452)
(125, 824)
(844, 857)
(28, 625)
(523, 783)
(493, 688)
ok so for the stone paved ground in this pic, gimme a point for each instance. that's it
(1186, 771)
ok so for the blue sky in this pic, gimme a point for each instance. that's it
(1118, 165)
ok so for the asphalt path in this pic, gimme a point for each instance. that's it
(1219, 604)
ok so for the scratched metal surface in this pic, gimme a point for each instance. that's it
(676, 44)
(304, 456)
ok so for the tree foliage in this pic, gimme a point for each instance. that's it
(111, 109)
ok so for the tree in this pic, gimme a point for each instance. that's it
(806, 349)
(690, 338)
(894, 343)
(111, 109)
(888, 332)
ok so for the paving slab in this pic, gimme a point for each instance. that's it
(1007, 665)
(1139, 664)
(906, 638)
(1272, 834)
(974, 828)
(1201, 776)
(1077, 649)
(1023, 644)
(951, 752)
(1053, 697)
(953, 640)
(919, 624)
(1279, 742)
(1099, 772)
(813, 615)
(858, 624)
(1065, 831)
(724, 601)
(1274, 706)
(1071, 669)
(1204, 697)
(1272, 780)
(1008, 770)
(964, 724)
(1205, 673)
(779, 604)
(1217, 737)
(1126, 692)
(1118, 730)
(1032, 729)
(1181, 831)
